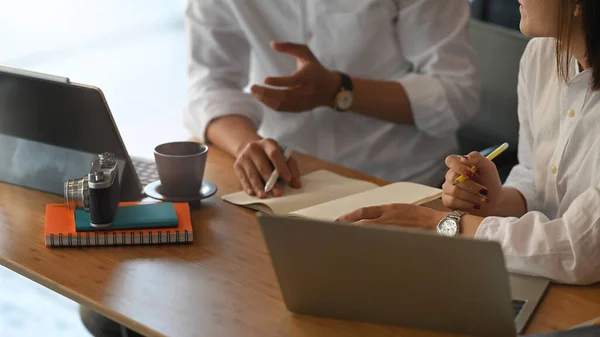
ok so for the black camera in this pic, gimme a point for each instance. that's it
(97, 192)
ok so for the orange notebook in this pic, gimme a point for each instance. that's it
(60, 230)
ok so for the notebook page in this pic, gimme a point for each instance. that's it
(402, 192)
(317, 187)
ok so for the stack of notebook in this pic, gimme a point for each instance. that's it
(135, 223)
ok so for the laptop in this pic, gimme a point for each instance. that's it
(396, 276)
(50, 130)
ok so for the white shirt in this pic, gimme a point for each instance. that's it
(558, 174)
(423, 44)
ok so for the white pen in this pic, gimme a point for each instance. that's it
(287, 152)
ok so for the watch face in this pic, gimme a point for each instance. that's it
(344, 100)
(448, 227)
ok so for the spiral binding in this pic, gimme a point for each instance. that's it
(111, 238)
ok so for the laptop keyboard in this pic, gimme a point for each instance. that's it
(146, 170)
(517, 305)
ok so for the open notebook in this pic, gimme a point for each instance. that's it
(326, 196)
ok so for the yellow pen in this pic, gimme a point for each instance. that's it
(490, 156)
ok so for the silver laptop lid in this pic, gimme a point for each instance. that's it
(389, 275)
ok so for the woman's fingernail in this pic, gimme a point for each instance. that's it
(469, 173)
(467, 156)
(484, 192)
(477, 207)
(249, 191)
(484, 200)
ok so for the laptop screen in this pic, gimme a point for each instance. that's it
(50, 132)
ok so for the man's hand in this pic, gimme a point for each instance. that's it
(312, 85)
(254, 165)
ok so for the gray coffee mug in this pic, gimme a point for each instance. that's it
(180, 168)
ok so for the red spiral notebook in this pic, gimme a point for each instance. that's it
(60, 230)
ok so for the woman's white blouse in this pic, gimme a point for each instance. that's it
(558, 174)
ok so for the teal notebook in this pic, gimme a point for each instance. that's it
(142, 216)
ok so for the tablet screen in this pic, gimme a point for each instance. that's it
(50, 131)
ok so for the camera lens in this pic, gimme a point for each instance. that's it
(77, 193)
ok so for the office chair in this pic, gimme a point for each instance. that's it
(499, 52)
(504, 13)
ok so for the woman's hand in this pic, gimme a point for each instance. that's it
(405, 215)
(312, 85)
(254, 165)
(480, 194)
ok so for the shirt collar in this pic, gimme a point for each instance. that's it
(577, 76)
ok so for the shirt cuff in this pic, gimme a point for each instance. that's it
(204, 108)
(491, 228)
(431, 112)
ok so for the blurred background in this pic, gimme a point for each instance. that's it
(135, 52)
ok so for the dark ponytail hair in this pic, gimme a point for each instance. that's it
(590, 10)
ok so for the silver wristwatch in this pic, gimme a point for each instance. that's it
(450, 225)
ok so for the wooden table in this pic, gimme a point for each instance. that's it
(221, 285)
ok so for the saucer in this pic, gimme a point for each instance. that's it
(208, 189)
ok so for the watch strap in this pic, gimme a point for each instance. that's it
(346, 82)
(456, 215)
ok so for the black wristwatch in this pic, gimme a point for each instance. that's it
(344, 97)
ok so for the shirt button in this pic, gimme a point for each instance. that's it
(571, 113)
(554, 169)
